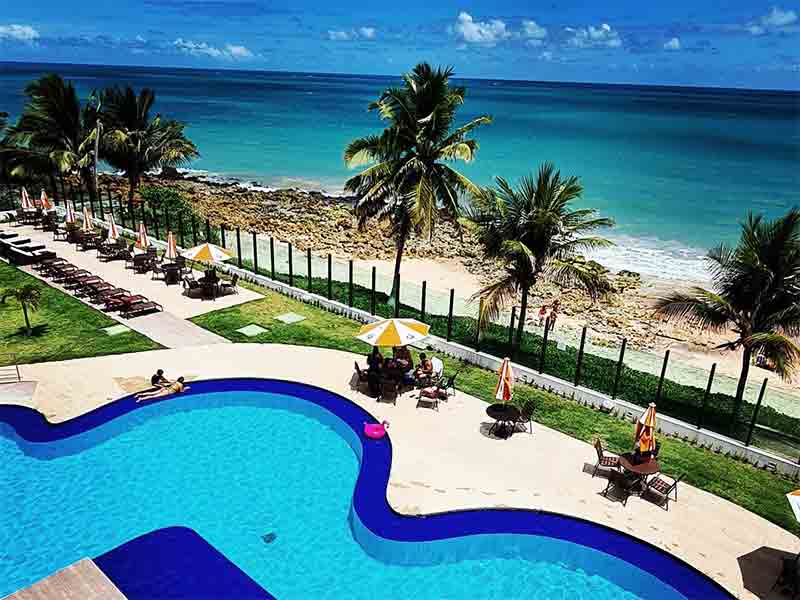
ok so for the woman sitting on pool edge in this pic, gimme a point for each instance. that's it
(174, 388)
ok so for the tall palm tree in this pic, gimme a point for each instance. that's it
(536, 234)
(51, 132)
(29, 297)
(408, 178)
(136, 141)
(755, 295)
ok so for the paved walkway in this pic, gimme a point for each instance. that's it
(444, 460)
(170, 328)
(82, 580)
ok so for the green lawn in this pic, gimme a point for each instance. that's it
(63, 327)
(754, 489)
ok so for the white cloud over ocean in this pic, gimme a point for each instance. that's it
(19, 33)
(603, 36)
(362, 33)
(776, 19)
(204, 49)
(486, 33)
(672, 44)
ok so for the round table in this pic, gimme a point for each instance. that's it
(641, 471)
(503, 414)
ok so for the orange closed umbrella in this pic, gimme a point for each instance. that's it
(646, 430)
(505, 384)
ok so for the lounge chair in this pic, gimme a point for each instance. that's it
(604, 461)
(136, 309)
(230, 288)
(121, 303)
(103, 296)
(662, 490)
(363, 375)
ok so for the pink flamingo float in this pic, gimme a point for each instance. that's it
(376, 431)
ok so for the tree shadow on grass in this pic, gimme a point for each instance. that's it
(36, 331)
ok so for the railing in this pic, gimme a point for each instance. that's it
(9, 369)
(693, 395)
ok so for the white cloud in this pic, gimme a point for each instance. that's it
(672, 44)
(487, 33)
(775, 20)
(546, 55)
(534, 31)
(362, 33)
(594, 37)
(204, 49)
(18, 33)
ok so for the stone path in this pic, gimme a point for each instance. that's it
(82, 580)
(444, 460)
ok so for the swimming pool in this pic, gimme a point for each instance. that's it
(265, 471)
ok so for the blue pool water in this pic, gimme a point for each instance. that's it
(236, 466)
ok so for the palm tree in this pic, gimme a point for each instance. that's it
(408, 178)
(29, 296)
(755, 295)
(136, 142)
(535, 233)
(51, 132)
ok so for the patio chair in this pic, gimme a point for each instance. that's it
(363, 376)
(433, 394)
(389, 388)
(434, 377)
(230, 287)
(60, 234)
(662, 490)
(604, 461)
(620, 484)
(526, 416)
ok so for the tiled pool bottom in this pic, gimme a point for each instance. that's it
(272, 490)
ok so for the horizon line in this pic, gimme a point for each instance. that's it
(457, 77)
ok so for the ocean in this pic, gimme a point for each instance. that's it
(677, 168)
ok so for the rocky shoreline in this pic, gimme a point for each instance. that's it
(326, 224)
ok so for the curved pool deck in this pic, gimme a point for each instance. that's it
(440, 468)
(376, 526)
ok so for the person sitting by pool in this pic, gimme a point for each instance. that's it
(375, 359)
(174, 388)
(425, 367)
(402, 358)
(158, 380)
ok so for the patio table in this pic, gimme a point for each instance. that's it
(641, 471)
(503, 414)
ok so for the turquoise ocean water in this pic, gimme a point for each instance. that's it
(234, 467)
(675, 167)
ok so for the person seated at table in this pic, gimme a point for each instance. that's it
(402, 358)
(158, 380)
(375, 359)
(211, 275)
(174, 388)
(424, 368)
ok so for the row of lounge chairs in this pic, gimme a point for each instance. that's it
(19, 250)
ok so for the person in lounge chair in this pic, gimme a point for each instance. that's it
(424, 368)
(174, 388)
(158, 380)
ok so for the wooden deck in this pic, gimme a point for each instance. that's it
(80, 581)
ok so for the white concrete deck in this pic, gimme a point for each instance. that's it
(82, 580)
(444, 460)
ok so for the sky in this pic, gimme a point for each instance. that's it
(729, 43)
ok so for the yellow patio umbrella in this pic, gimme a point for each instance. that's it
(794, 502)
(142, 241)
(70, 216)
(113, 232)
(172, 248)
(505, 384)
(646, 430)
(207, 253)
(393, 332)
(87, 220)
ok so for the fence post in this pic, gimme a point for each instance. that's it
(478, 325)
(330, 284)
(222, 235)
(91, 204)
(755, 412)
(450, 315)
(308, 265)
(579, 364)
(63, 189)
(702, 414)
(543, 352)
(255, 253)
(208, 231)
(180, 228)
(663, 374)
(422, 303)
(511, 330)
(291, 271)
(238, 245)
(350, 283)
(144, 216)
(397, 296)
(194, 231)
(154, 212)
(99, 193)
(372, 295)
(272, 256)
(620, 364)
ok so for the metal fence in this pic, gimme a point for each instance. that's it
(687, 393)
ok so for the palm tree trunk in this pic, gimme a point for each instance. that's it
(27, 321)
(747, 355)
(401, 246)
(132, 181)
(523, 310)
